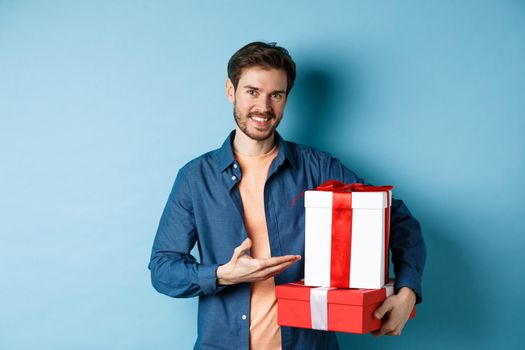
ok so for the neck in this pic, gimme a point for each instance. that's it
(250, 147)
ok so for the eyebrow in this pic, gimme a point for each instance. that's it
(257, 89)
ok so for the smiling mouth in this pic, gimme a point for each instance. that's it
(260, 119)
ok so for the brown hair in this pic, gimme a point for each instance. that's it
(265, 55)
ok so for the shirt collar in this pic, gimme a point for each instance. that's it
(226, 157)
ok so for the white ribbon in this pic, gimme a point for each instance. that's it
(389, 288)
(319, 304)
(319, 307)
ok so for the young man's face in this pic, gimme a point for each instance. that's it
(258, 101)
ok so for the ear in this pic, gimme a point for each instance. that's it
(230, 90)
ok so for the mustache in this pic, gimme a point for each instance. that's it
(268, 114)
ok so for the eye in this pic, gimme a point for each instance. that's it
(252, 92)
(277, 96)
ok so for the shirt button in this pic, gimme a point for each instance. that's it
(234, 177)
(235, 165)
(243, 317)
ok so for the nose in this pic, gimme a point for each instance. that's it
(265, 103)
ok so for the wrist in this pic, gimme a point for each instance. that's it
(222, 275)
(407, 293)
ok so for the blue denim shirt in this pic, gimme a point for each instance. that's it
(205, 207)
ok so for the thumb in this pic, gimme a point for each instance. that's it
(382, 310)
(241, 250)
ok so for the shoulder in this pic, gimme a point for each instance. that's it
(321, 165)
(200, 165)
(305, 153)
(192, 174)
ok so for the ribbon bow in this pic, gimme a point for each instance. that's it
(338, 186)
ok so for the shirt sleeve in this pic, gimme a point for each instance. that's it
(174, 271)
(408, 249)
(406, 239)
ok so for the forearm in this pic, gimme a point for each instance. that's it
(180, 276)
(408, 249)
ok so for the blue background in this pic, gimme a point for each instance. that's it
(101, 102)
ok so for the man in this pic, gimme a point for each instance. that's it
(235, 203)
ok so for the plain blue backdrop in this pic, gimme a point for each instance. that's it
(101, 102)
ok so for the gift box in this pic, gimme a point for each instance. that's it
(346, 235)
(324, 308)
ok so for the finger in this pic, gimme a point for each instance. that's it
(274, 270)
(242, 249)
(277, 260)
(383, 309)
(385, 328)
(396, 327)
(395, 333)
(280, 268)
(392, 327)
(378, 333)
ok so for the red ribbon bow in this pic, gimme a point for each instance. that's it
(338, 186)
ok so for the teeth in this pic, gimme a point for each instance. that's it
(258, 119)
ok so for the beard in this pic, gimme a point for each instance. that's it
(257, 134)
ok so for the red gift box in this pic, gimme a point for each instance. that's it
(341, 310)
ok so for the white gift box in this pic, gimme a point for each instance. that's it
(364, 239)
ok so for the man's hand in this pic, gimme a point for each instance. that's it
(395, 311)
(243, 268)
